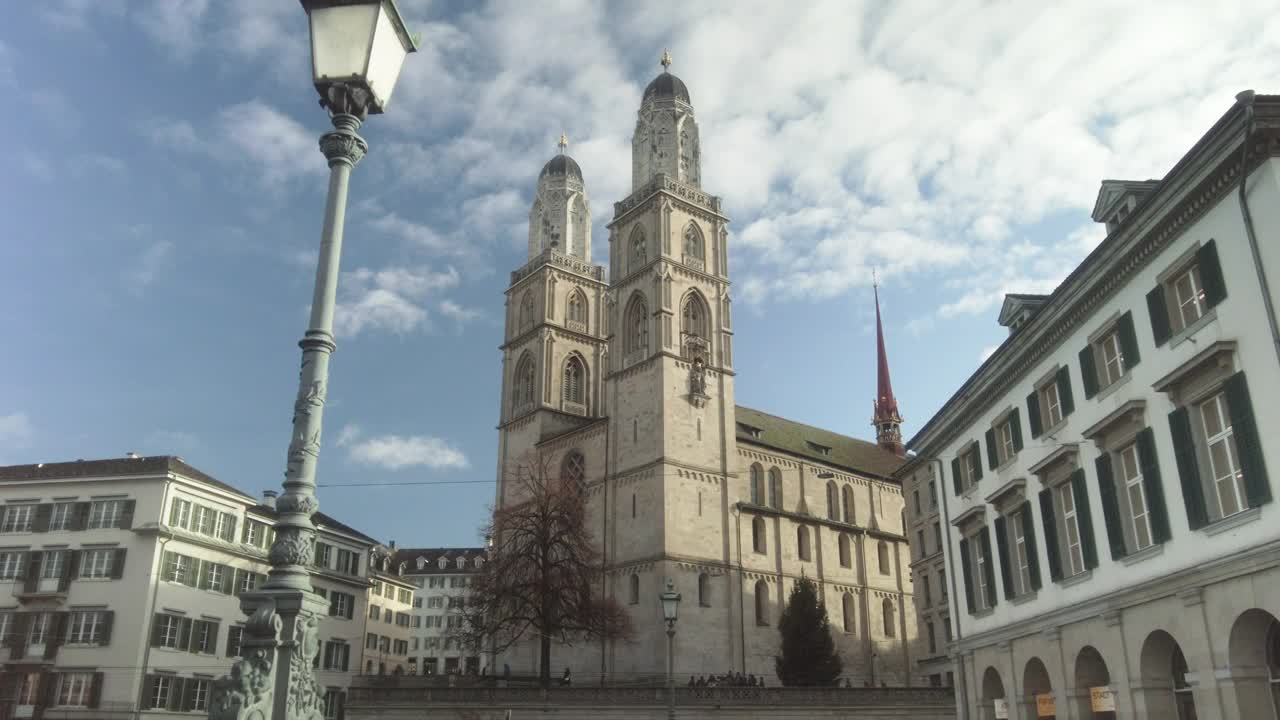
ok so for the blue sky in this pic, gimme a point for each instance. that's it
(164, 197)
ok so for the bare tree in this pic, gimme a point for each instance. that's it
(543, 575)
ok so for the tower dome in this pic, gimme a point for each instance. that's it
(666, 137)
(560, 218)
(667, 87)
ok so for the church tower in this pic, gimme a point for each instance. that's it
(886, 419)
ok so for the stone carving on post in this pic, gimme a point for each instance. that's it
(246, 694)
(698, 383)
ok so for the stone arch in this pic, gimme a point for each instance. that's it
(633, 589)
(525, 318)
(846, 503)
(704, 590)
(887, 612)
(882, 555)
(846, 550)
(759, 535)
(1163, 668)
(636, 325)
(803, 547)
(523, 382)
(1090, 672)
(1035, 681)
(849, 612)
(692, 243)
(833, 501)
(775, 488)
(695, 326)
(757, 484)
(762, 602)
(637, 249)
(992, 690)
(576, 309)
(576, 381)
(1253, 651)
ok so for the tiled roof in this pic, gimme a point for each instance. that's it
(798, 439)
(409, 556)
(320, 519)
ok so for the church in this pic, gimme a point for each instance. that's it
(624, 383)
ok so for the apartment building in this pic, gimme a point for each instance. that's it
(390, 614)
(1106, 477)
(440, 578)
(928, 572)
(125, 577)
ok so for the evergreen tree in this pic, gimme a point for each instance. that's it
(809, 654)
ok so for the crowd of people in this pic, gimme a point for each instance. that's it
(728, 679)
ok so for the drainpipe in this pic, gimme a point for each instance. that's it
(953, 600)
(1245, 99)
(162, 540)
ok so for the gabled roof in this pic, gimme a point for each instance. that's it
(1113, 191)
(1015, 303)
(796, 438)
(123, 467)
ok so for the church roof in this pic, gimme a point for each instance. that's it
(561, 165)
(822, 446)
(667, 86)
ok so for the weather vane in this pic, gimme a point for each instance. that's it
(564, 142)
(666, 60)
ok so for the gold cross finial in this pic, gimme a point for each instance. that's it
(564, 142)
(666, 60)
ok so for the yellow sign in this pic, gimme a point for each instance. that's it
(1102, 699)
(1001, 707)
(1045, 706)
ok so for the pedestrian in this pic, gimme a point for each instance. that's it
(565, 680)
(692, 682)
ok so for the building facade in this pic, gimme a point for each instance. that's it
(125, 576)
(626, 387)
(928, 573)
(440, 578)
(1105, 476)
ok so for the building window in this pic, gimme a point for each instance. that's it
(848, 612)
(522, 392)
(375, 612)
(75, 689)
(926, 591)
(1224, 464)
(704, 590)
(525, 321)
(1186, 293)
(161, 685)
(576, 310)
(1135, 496)
(1106, 359)
(639, 249)
(1015, 540)
(1071, 527)
(846, 553)
(802, 543)
(98, 562)
(693, 244)
(636, 327)
(574, 471)
(920, 543)
(846, 503)
(60, 516)
(17, 518)
(762, 603)
(757, 485)
(1004, 440)
(933, 491)
(915, 500)
(775, 488)
(979, 575)
(694, 327)
(1068, 528)
(833, 501)
(966, 468)
(887, 610)
(575, 380)
(758, 535)
(933, 638)
(633, 593)
(88, 627)
(105, 514)
(1021, 554)
(10, 565)
(882, 553)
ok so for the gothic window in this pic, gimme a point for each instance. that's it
(848, 612)
(846, 552)
(802, 543)
(833, 499)
(758, 535)
(637, 325)
(887, 606)
(526, 312)
(846, 503)
(757, 485)
(522, 390)
(575, 380)
(704, 590)
(775, 488)
(694, 326)
(576, 310)
(762, 602)
(882, 550)
(575, 470)
(693, 242)
(633, 595)
(639, 249)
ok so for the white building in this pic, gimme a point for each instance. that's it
(441, 578)
(125, 578)
(1105, 484)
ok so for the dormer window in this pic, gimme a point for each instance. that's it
(750, 430)
(462, 563)
(443, 563)
(820, 449)
(479, 562)
(422, 562)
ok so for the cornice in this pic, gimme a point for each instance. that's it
(695, 200)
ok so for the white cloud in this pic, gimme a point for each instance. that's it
(174, 24)
(392, 299)
(396, 452)
(277, 148)
(457, 313)
(16, 430)
(148, 267)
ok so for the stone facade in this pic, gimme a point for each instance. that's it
(627, 387)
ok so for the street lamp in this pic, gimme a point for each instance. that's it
(670, 606)
(357, 49)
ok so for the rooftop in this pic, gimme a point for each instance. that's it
(821, 446)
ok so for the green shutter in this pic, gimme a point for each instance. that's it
(1128, 340)
(1088, 372)
(1033, 414)
(1029, 537)
(1084, 516)
(988, 568)
(1050, 524)
(1248, 444)
(975, 457)
(1152, 486)
(966, 568)
(1215, 289)
(1002, 550)
(1158, 309)
(1188, 471)
(955, 475)
(1110, 507)
(993, 458)
(1064, 391)
(1015, 424)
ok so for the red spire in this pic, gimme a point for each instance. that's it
(887, 420)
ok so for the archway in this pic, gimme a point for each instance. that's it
(1094, 694)
(1254, 654)
(1163, 669)
(1038, 691)
(993, 694)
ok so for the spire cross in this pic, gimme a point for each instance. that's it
(564, 143)
(666, 60)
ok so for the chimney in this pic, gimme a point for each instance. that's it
(269, 498)
(393, 544)
(132, 455)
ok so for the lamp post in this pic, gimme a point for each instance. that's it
(670, 606)
(357, 50)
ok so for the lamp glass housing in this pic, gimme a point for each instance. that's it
(670, 603)
(359, 42)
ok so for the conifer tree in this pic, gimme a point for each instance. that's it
(809, 654)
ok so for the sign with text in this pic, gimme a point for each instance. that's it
(1002, 709)
(1102, 699)
(1045, 707)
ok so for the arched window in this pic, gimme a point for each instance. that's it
(574, 470)
(575, 380)
(802, 542)
(848, 612)
(639, 250)
(636, 326)
(889, 625)
(882, 550)
(758, 535)
(693, 242)
(775, 488)
(762, 602)
(522, 387)
(846, 503)
(846, 552)
(757, 485)
(704, 590)
(833, 499)
(1183, 697)
(576, 309)
(694, 326)
(526, 311)
(633, 594)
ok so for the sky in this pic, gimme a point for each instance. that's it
(165, 192)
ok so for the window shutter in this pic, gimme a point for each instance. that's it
(1215, 289)
(1152, 486)
(1002, 548)
(351, 606)
(967, 570)
(955, 475)
(342, 697)
(1088, 372)
(108, 618)
(993, 459)
(1015, 425)
(1033, 414)
(333, 605)
(117, 563)
(1128, 340)
(1188, 471)
(214, 629)
(1029, 530)
(69, 570)
(125, 521)
(44, 513)
(191, 578)
(1245, 427)
(988, 568)
(975, 457)
(157, 632)
(148, 691)
(184, 634)
(1084, 515)
(227, 576)
(57, 629)
(80, 516)
(95, 690)
(1050, 523)
(237, 580)
(1110, 507)
(1064, 391)
(1158, 309)
(18, 644)
(177, 692)
(48, 689)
